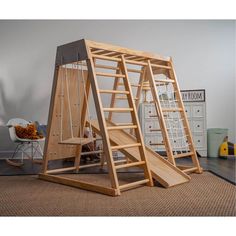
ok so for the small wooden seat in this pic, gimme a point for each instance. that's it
(77, 141)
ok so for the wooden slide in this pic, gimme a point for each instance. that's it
(162, 170)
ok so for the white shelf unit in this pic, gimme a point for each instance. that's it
(196, 113)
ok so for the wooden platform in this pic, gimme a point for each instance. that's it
(162, 171)
(77, 141)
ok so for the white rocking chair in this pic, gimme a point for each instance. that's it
(23, 145)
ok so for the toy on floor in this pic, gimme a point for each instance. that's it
(227, 149)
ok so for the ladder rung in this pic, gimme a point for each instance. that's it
(114, 91)
(154, 130)
(118, 109)
(189, 169)
(110, 75)
(121, 98)
(171, 109)
(105, 58)
(126, 146)
(161, 66)
(131, 185)
(126, 165)
(123, 123)
(132, 85)
(186, 154)
(165, 80)
(122, 127)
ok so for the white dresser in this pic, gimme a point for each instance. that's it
(195, 107)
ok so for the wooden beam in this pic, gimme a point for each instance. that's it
(79, 184)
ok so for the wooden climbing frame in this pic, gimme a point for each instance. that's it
(79, 69)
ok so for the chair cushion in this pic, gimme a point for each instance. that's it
(27, 132)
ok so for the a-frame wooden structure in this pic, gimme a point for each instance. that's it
(100, 62)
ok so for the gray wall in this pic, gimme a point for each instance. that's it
(203, 54)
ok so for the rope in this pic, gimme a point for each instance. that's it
(69, 105)
(62, 106)
(86, 97)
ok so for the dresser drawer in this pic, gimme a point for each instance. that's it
(198, 111)
(197, 125)
(199, 141)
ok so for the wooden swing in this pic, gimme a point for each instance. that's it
(81, 140)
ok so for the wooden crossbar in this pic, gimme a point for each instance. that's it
(133, 184)
(122, 127)
(113, 91)
(126, 146)
(132, 164)
(110, 75)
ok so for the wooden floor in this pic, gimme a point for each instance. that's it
(225, 168)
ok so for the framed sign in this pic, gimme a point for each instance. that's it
(197, 95)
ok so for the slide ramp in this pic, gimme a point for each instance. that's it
(162, 170)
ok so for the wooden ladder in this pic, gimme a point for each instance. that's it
(163, 112)
(121, 73)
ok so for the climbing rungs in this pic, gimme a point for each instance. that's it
(164, 80)
(134, 184)
(161, 66)
(122, 127)
(110, 75)
(126, 146)
(132, 85)
(117, 109)
(186, 154)
(105, 58)
(127, 165)
(121, 98)
(113, 91)
(190, 169)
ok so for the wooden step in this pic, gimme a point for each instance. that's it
(113, 91)
(126, 146)
(106, 58)
(121, 97)
(190, 169)
(161, 66)
(77, 141)
(133, 184)
(110, 75)
(127, 165)
(164, 80)
(117, 109)
(187, 154)
(122, 127)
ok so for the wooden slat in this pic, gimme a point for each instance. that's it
(190, 170)
(110, 75)
(114, 68)
(161, 66)
(126, 146)
(77, 141)
(187, 154)
(116, 109)
(132, 164)
(105, 58)
(121, 98)
(60, 170)
(122, 127)
(133, 184)
(79, 184)
(113, 91)
(165, 80)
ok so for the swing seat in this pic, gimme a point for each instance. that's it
(77, 141)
